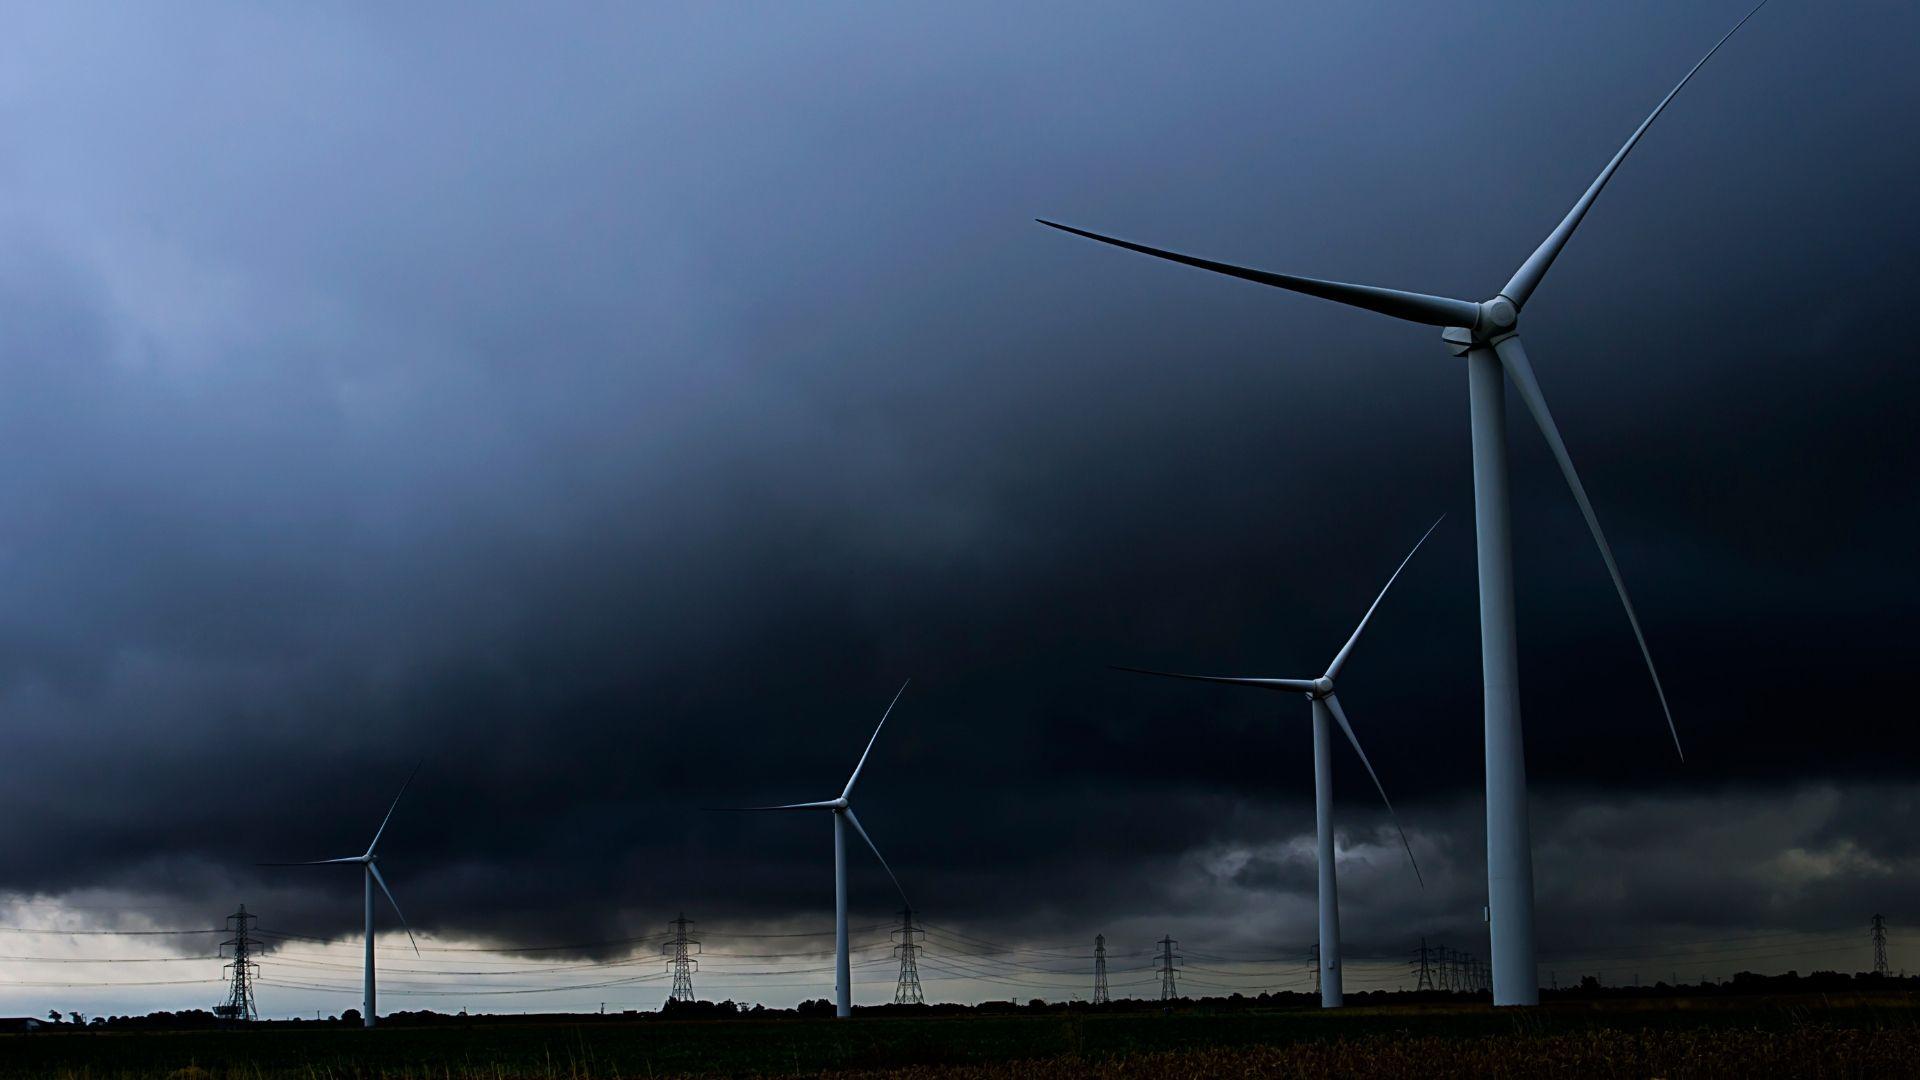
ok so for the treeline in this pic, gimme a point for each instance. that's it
(1743, 984)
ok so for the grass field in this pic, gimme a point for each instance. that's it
(1810, 1036)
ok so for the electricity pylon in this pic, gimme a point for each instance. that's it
(1100, 995)
(239, 951)
(907, 990)
(1425, 965)
(1880, 945)
(679, 950)
(1169, 974)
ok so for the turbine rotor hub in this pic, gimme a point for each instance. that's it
(1497, 316)
(1322, 687)
(840, 804)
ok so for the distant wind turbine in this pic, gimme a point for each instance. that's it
(1486, 333)
(1326, 712)
(843, 815)
(371, 878)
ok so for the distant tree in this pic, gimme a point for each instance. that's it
(53, 1015)
(672, 1009)
(351, 1016)
(77, 1017)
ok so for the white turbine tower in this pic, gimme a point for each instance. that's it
(843, 815)
(1486, 334)
(371, 877)
(1327, 712)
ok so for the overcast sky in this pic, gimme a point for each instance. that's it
(612, 405)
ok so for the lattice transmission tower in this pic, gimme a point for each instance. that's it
(1880, 945)
(680, 950)
(238, 950)
(1100, 995)
(1169, 973)
(1313, 967)
(1423, 965)
(906, 991)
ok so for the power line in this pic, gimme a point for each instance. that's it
(464, 992)
(105, 933)
(116, 982)
(1059, 948)
(578, 946)
(197, 957)
(1742, 942)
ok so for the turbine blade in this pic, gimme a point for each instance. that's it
(1521, 286)
(315, 862)
(1513, 357)
(828, 805)
(1413, 307)
(848, 790)
(396, 803)
(855, 822)
(1340, 717)
(382, 882)
(1333, 670)
(1303, 686)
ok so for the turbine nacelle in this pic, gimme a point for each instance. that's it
(1495, 319)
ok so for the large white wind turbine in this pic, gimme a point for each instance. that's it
(1486, 334)
(371, 878)
(1326, 712)
(843, 815)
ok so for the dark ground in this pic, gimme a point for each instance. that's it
(1811, 1035)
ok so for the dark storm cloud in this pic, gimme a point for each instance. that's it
(612, 407)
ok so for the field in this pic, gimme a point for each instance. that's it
(1803, 1036)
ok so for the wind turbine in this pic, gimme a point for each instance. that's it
(371, 878)
(843, 815)
(1486, 333)
(1326, 712)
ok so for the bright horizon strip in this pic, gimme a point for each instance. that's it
(302, 980)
